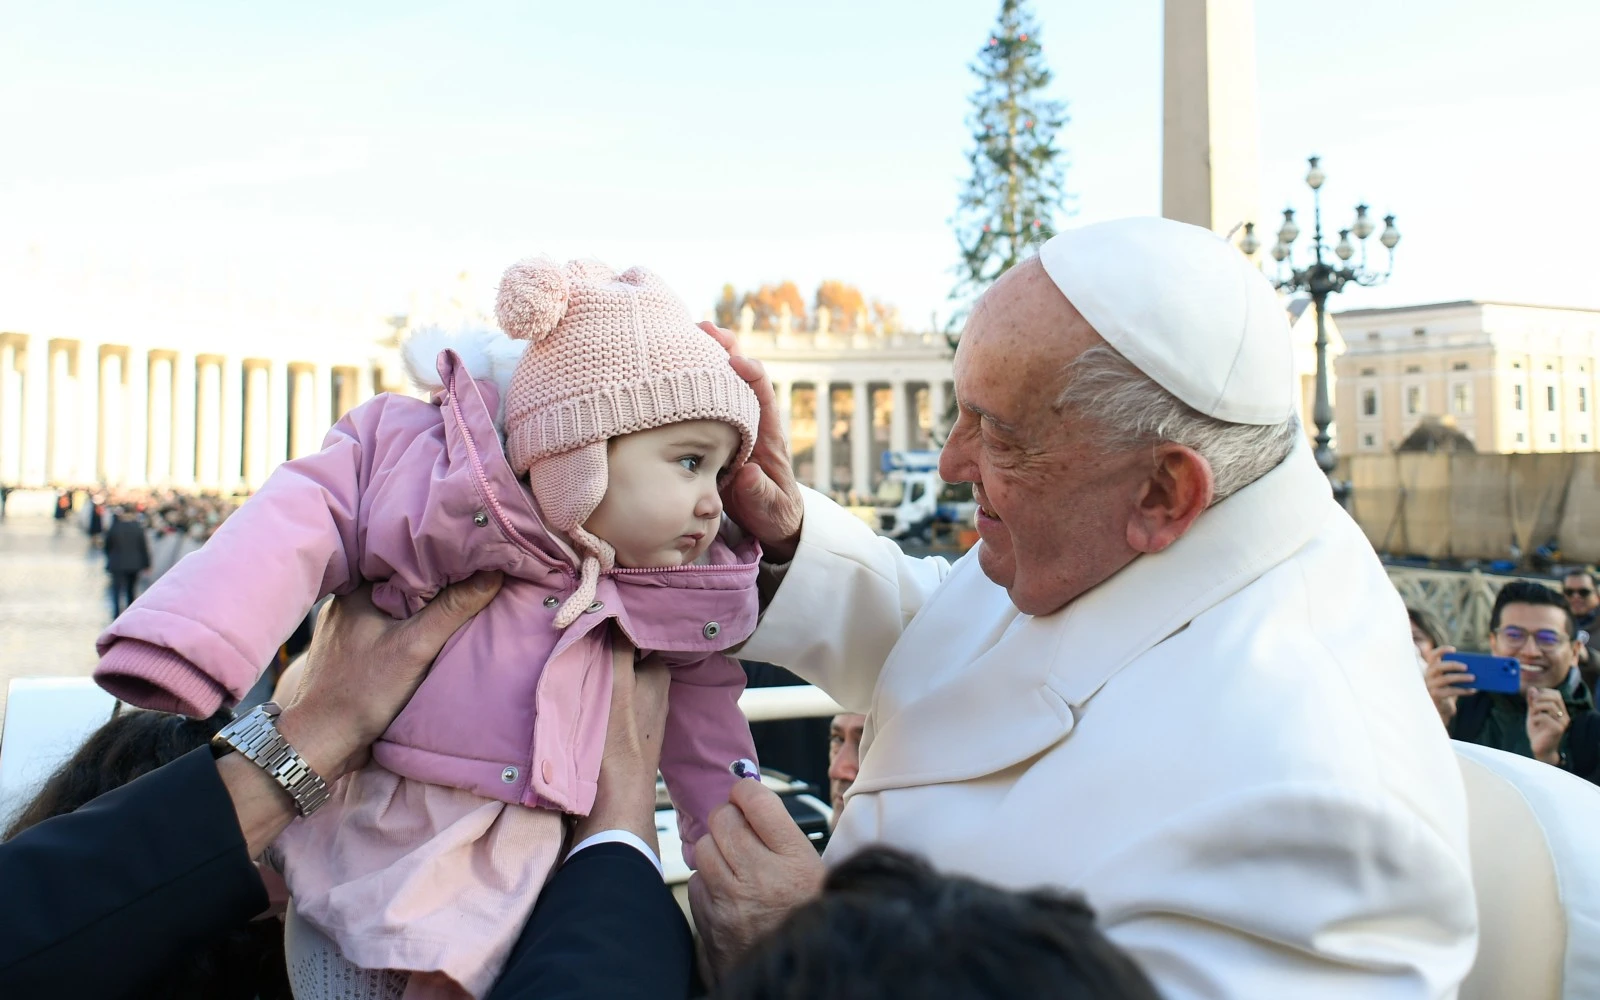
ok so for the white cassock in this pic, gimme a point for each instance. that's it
(1226, 746)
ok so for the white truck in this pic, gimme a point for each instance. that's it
(912, 501)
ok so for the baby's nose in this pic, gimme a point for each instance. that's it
(709, 507)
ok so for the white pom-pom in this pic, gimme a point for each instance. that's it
(420, 352)
(532, 299)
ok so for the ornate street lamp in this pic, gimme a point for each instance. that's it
(1328, 271)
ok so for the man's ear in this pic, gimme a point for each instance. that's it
(1178, 487)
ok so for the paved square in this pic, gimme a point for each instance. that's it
(52, 599)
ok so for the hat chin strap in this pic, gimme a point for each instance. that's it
(597, 555)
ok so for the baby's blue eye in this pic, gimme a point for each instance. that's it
(691, 462)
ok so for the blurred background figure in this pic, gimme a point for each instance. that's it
(844, 756)
(127, 555)
(1579, 589)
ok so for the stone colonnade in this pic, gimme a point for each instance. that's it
(846, 399)
(865, 418)
(78, 413)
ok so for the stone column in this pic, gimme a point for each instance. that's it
(184, 446)
(111, 459)
(257, 426)
(232, 429)
(36, 412)
(782, 391)
(277, 415)
(136, 411)
(90, 400)
(159, 462)
(366, 383)
(324, 408)
(822, 452)
(303, 422)
(348, 396)
(10, 414)
(938, 400)
(861, 439)
(60, 429)
(208, 422)
(899, 409)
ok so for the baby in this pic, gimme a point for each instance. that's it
(599, 502)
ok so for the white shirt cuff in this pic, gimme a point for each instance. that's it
(620, 837)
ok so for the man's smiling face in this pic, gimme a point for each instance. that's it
(1053, 503)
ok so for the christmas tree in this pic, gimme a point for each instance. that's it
(1010, 201)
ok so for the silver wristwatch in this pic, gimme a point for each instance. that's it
(256, 738)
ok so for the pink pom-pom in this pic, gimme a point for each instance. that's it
(532, 299)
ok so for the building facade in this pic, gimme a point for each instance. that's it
(168, 412)
(845, 399)
(1512, 378)
(906, 379)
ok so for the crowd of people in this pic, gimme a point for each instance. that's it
(1553, 717)
(1093, 758)
(141, 532)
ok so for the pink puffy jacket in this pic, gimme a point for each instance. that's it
(416, 496)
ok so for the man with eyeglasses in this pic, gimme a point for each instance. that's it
(1579, 588)
(1553, 718)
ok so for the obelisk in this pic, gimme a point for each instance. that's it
(1210, 150)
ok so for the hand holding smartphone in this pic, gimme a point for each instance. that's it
(1501, 674)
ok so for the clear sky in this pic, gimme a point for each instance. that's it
(350, 154)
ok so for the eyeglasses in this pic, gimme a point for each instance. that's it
(1546, 639)
(1578, 592)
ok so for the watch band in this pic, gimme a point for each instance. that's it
(256, 738)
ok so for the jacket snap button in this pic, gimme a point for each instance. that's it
(596, 606)
(551, 601)
(548, 771)
(480, 519)
(711, 630)
(509, 776)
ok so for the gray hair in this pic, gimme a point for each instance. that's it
(1132, 410)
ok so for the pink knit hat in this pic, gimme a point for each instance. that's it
(610, 354)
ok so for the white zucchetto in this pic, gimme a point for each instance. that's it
(1187, 308)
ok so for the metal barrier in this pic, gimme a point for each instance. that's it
(797, 702)
(1460, 600)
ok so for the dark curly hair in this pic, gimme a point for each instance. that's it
(889, 927)
(1529, 592)
(246, 963)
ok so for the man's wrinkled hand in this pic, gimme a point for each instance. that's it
(755, 867)
(362, 668)
(625, 795)
(763, 497)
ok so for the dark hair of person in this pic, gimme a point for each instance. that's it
(1583, 571)
(888, 927)
(1528, 592)
(1428, 624)
(245, 964)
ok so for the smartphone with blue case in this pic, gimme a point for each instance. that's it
(1502, 674)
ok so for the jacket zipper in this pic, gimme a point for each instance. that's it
(482, 482)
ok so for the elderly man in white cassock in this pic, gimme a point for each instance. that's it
(1172, 675)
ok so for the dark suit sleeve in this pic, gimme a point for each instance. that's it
(1583, 746)
(97, 902)
(605, 926)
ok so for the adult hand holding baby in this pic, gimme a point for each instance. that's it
(625, 796)
(363, 667)
(763, 497)
(361, 670)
